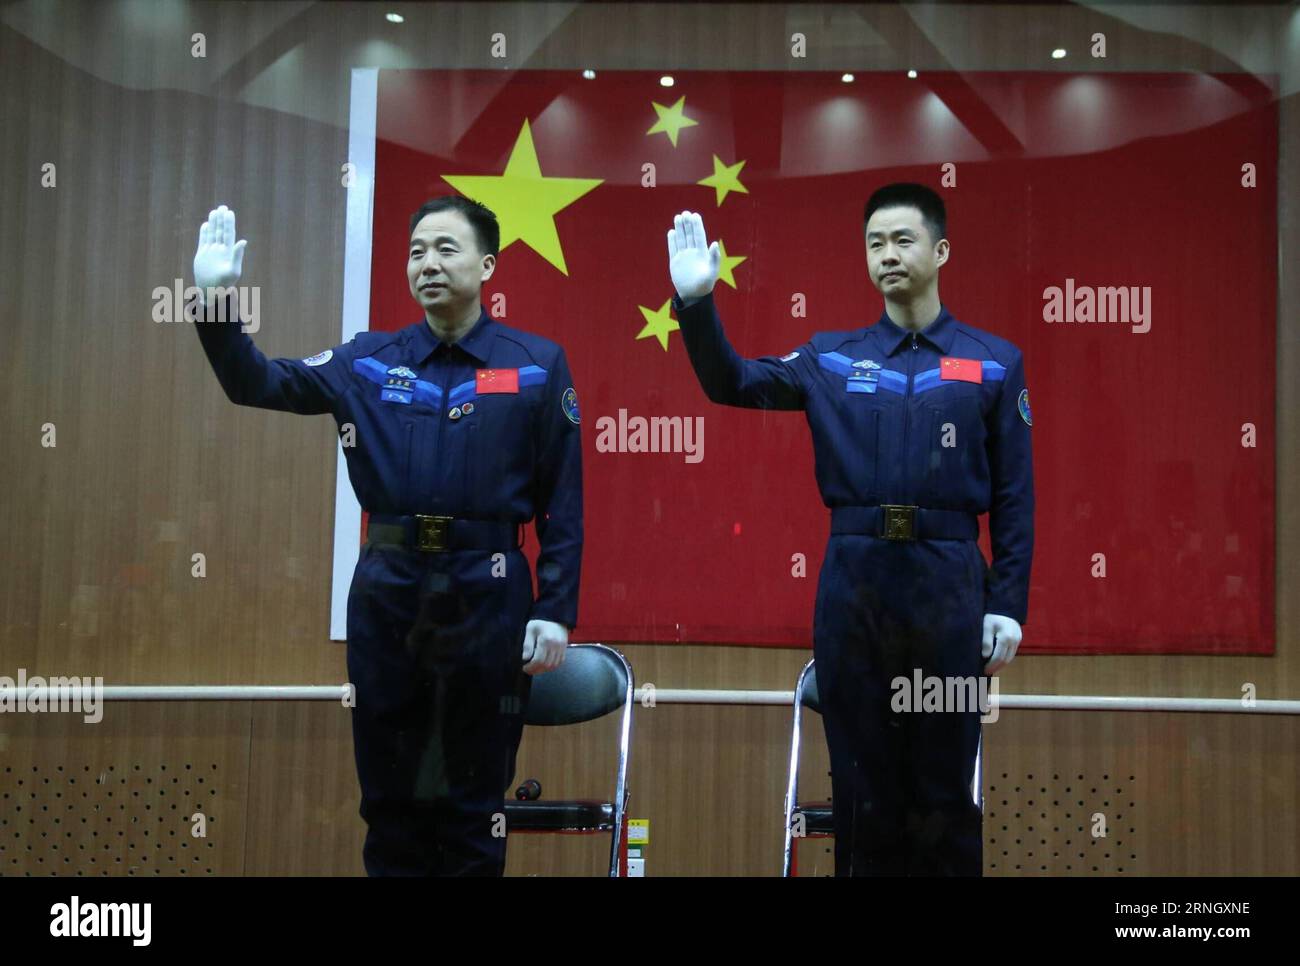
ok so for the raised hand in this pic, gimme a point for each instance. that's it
(692, 262)
(219, 260)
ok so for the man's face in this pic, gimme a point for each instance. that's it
(444, 265)
(902, 258)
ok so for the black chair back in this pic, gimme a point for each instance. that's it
(590, 683)
(811, 699)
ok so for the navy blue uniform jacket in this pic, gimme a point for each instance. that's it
(890, 424)
(513, 456)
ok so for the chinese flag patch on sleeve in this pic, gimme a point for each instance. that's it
(964, 370)
(498, 380)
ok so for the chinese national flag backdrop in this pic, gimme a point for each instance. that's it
(1154, 521)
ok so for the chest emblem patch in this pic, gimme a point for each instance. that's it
(963, 370)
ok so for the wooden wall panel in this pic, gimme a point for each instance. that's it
(120, 797)
(303, 794)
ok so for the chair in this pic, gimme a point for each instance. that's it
(817, 818)
(593, 681)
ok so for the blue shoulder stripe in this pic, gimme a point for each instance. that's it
(532, 376)
(465, 391)
(372, 369)
(836, 362)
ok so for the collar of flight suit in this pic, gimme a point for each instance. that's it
(477, 342)
(938, 333)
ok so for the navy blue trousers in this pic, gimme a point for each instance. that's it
(900, 781)
(435, 655)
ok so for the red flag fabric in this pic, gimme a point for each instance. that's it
(963, 370)
(1153, 407)
(497, 380)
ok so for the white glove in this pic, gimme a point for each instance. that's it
(692, 262)
(1001, 638)
(544, 644)
(220, 259)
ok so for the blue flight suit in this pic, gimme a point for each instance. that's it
(891, 426)
(483, 431)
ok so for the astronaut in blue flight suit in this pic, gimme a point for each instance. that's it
(462, 430)
(919, 423)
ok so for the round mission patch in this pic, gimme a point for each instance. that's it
(1022, 404)
(569, 403)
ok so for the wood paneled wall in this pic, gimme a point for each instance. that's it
(153, 465)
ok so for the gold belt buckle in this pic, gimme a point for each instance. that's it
(433, 533)
(900, 521)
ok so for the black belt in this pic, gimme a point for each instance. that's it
(433, 533)
(898, 522)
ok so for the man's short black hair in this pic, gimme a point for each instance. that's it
(912, 195)
(479, 216)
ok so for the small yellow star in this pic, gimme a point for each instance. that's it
(727, 263)
(725, 178)
(671, 120)
(658, 323)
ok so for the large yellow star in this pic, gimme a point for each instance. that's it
(671, 120)
(725, 178)
(524, 200)
(727, 264)
(658, 323)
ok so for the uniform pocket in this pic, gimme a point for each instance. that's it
(954, 452)
(860, 462)
(470, 476)
(934, 454)
(406, 492)
(873, 484)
